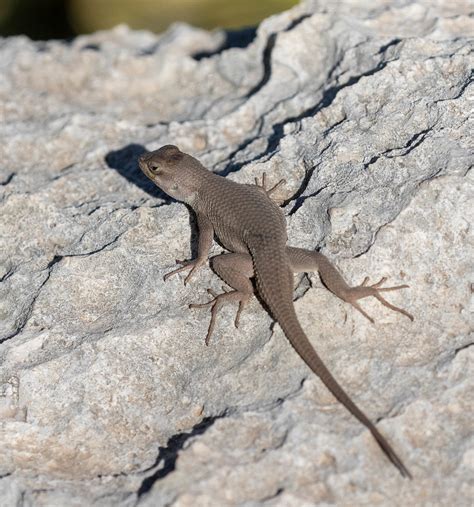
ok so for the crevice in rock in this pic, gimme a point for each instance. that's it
(335, 125)
(55, 260)
(8, 180)
(236, 166)
(233, 167)
(132, 207)
(297, 198)
(414, 141)
(114, 476)
(267, 66)
(299, 201)
(389, 44)
(462, 347)
(372, 160)
(27, 314)
(233, 39)
(277, 493)
(329, 95)
(168, 454)
(461, 91)
(65, 171)
(93, 210)
(267, 55)
(58, 258)
(7, 275)
(411, 144)
(271, 404)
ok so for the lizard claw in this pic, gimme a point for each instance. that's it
(217, 301)
(194, 265)
(352, 294)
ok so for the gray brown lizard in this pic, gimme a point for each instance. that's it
(251, 226)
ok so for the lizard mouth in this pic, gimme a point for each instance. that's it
(142, 163)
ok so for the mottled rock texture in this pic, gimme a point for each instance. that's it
(108, 395)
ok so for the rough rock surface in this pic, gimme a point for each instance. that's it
(108, 395)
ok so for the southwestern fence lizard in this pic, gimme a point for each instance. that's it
(251, 226)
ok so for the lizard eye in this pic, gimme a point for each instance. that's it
(154, 168)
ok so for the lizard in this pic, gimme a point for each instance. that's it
(252, 227)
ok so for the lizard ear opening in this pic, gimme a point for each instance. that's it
(175, 157)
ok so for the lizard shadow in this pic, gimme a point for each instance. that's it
(124, 161)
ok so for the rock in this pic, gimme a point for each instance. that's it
(108, 395)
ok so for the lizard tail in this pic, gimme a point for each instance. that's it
(274, 280)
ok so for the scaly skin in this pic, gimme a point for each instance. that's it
(249, 224)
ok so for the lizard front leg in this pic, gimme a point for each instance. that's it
(206, 235)
(307, 260)
(236, 269)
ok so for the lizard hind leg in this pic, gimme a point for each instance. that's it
(306, 260)
(236, 270)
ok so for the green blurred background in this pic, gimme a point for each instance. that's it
(59, 19)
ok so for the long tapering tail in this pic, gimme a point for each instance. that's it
(275, 285)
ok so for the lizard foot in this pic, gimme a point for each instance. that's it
(217, 301)
(194, 265)
(363, 290)
(263, 184)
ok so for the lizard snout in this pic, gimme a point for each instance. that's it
(142, 158)
(143, 162)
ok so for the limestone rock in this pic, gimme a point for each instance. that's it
(108, 395)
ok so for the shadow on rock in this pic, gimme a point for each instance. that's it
(233, 39)
(124, 161)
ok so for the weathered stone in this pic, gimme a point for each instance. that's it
(108, 395)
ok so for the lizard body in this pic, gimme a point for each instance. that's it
(251, 226)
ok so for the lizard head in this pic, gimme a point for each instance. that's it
(173, 171)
